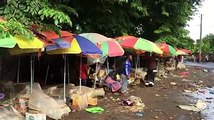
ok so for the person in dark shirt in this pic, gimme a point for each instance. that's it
(152, 70)
(176, 62)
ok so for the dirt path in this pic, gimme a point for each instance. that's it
(161, 101)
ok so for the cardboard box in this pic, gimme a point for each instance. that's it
(35, 116)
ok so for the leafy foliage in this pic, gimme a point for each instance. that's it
(207, 44)
(108, 17)
(21, 15)
(15, 27)
(59, 17)
(151, 19)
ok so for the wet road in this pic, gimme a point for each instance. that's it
(207, 93)
(206, 65)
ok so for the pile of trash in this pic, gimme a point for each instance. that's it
(38, 103)
(181, 65)
(135, 104)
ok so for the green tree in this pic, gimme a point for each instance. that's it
(21, 17)
(207, 43)
(150, 19)
(111, 18)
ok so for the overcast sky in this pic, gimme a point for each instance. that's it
(207, 10)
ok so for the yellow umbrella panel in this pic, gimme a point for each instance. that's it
(23, 43)
(17, 51)
(74, 49)
(180, 52)
(26, 46)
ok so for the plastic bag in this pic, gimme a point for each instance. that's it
(79, 101)
(95, 110)
(10, 114)
(47, 105)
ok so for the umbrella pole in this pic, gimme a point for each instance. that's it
(0, 67)
(114, 63)
(107, 62)
(68, 71)
(136, 64)
(64, 77)
(46, 76)
(95, 80)
(18, 70)
(158, 67)
(32, 74)
(80, 77)
(33, 69)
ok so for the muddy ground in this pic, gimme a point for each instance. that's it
(161, 101)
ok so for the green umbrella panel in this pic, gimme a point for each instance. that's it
(8, 42)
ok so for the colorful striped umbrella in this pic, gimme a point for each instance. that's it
(95, 37)
(107, 45)
(168, 50)
(79, 45)
(111, 48)
(139, 44)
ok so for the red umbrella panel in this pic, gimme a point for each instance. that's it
(52, 35)
(127, 37)
(168, 50)
(164, 47)
(186, 51)
(111, 48)
(54, 41)
(140, 44)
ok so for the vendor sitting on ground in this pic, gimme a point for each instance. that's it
(169, 65)
(112, 83)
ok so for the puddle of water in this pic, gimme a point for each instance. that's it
(207, 95)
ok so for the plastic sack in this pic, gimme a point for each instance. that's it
(79, 101)
(91, 92)
(10, 114)
(92, 101)
(47, 105)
